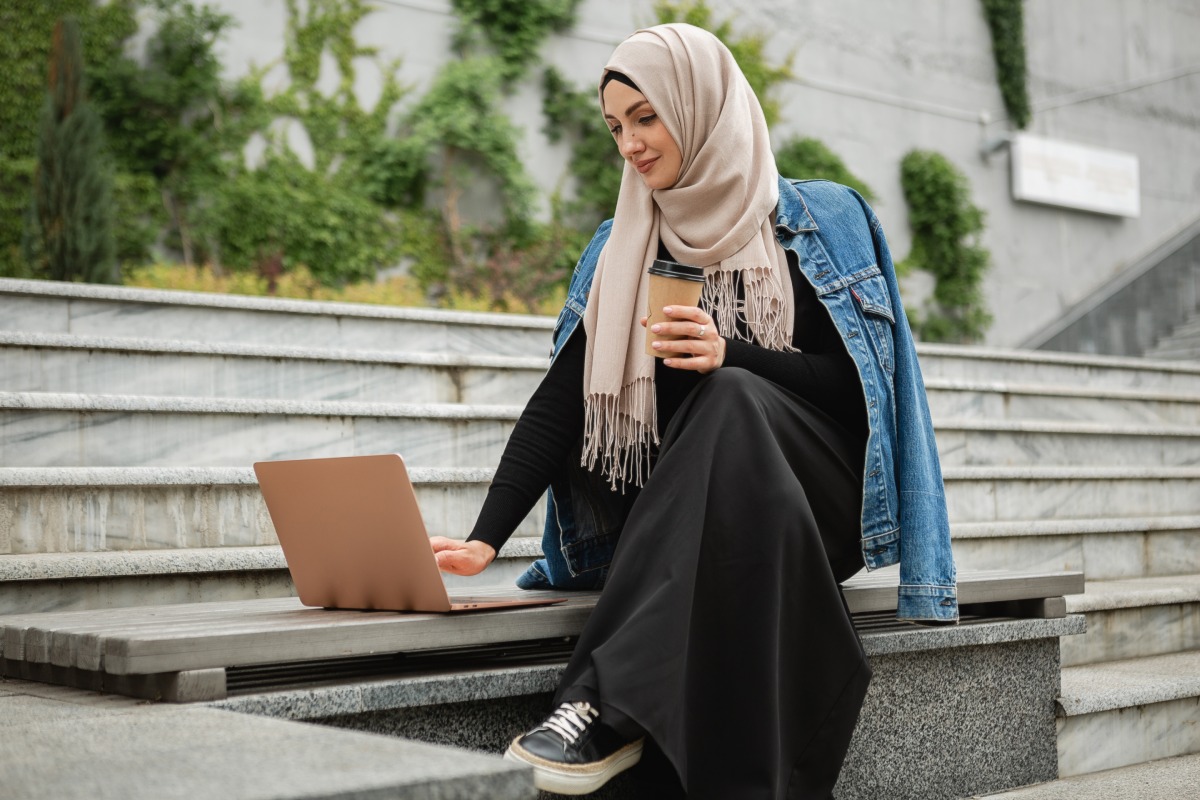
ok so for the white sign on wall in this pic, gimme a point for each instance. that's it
(1076, 176)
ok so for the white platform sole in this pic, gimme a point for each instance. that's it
(575, 779)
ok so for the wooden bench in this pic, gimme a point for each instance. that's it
(182, 652)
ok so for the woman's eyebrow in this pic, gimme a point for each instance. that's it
(631, 109)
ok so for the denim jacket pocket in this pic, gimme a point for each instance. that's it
(871, 296)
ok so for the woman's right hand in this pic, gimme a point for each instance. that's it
(461, 558)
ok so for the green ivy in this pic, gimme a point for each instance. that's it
(339, 128)
(281, 215)
(595, 163)
(1006, 21)
(514, 29)
(810, 158)
(946, 228)
(747, 50)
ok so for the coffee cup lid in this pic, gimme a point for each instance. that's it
(670, 269)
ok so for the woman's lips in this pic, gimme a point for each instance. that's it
(644, 166)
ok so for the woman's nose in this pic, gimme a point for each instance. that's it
(630, 145)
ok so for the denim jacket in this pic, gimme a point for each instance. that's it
(841, 250)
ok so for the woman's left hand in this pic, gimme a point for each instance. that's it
(701, 339)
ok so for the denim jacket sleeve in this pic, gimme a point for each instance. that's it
(927, 574)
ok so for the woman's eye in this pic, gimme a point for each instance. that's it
(615, 130)
(647, 119)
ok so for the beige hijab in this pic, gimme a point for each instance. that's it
(718, 215)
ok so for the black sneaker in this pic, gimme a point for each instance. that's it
(572, 752)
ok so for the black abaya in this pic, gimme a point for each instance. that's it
(721, 631)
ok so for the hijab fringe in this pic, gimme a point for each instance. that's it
(760, 310)
(620, 431)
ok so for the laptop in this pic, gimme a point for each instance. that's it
(353, 537)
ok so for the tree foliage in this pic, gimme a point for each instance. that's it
(946, 228)
(68, 232)
(27, 27)
(163, 114)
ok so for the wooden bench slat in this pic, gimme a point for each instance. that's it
(175, 638)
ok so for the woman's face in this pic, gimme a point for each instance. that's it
(641, 136)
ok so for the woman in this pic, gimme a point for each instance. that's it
(743, 482)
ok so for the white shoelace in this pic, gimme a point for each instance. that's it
(571, 719)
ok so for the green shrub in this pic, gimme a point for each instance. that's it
(810, 158)
(946, 228)
(287, 212)
(16, 187)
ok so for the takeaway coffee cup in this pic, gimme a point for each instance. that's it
(671, 284)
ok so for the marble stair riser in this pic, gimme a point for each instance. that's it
(90, 592)
(1121, 633)
(1099, 556)
(60, 437)
(118, 591)
(1109, 739)
(91, 317)
(959, 447)
(998, 500)
(29, 369)
(65, 519)
(957, 403)
(370, 328)
(64, 438)
(967, 367)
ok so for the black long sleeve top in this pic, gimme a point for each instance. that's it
(822, 373)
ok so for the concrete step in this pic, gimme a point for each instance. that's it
(1181, 351)
(1126, 712)
(82, 509)
(120, 747)
(49, 429)
(950, 398)
(1002, 494)
(982, 364)
(53, 307)
(39, 429)
(38, 362)
(1135, 617)
(77, 581)
(1147, 546)
(1000, 442)
(89, 310)
(1164, 779)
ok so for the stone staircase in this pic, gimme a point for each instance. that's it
(1183, 344)
(129, 420)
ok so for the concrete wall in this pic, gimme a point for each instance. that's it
(875, 80)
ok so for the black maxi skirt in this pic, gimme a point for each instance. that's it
(721, 632)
